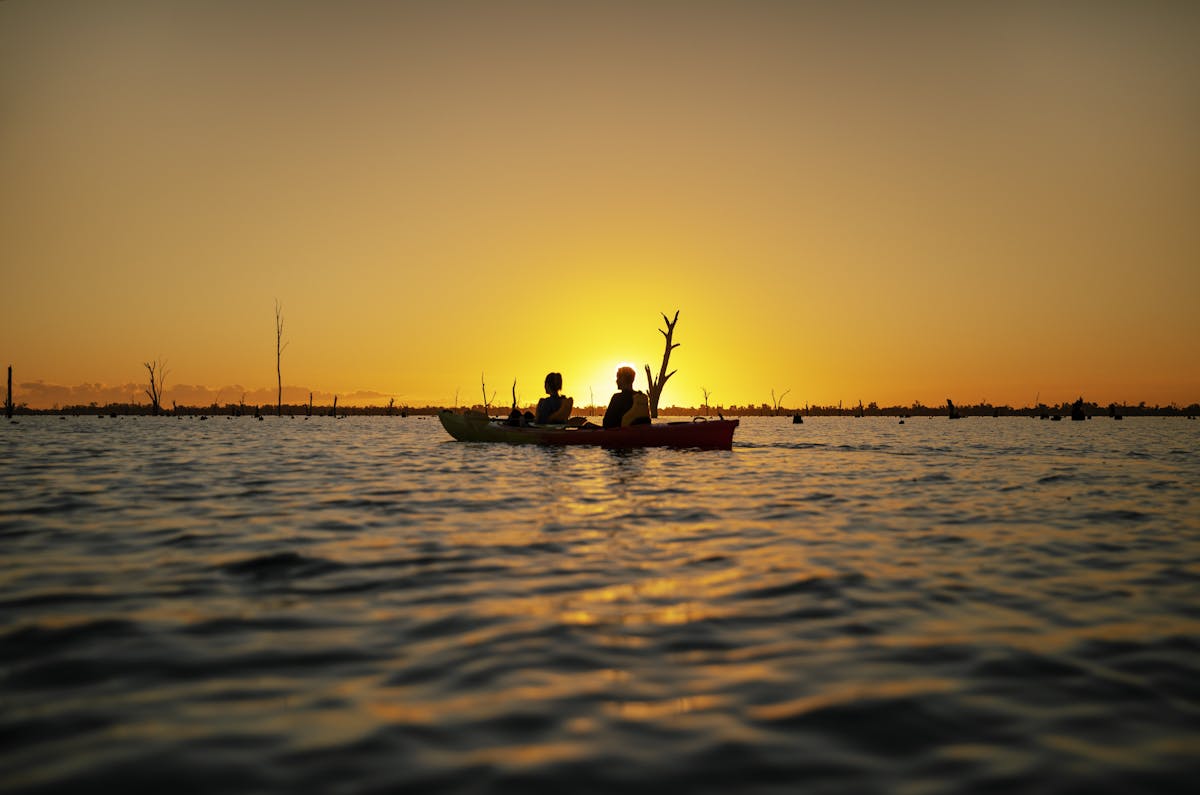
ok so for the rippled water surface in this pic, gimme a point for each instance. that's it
(365, 605)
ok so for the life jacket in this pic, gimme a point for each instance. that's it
(639, 411)
(564, 410)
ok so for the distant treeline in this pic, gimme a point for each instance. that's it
(762, 410)
(977, 410)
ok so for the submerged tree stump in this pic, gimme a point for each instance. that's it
(655, 386)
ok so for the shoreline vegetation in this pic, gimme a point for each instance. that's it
(917, 409)
(157, 373)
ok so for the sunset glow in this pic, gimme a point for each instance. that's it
(881, 203)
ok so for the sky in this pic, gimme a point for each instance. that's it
(850, 201)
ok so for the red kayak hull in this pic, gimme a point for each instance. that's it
(474, 427)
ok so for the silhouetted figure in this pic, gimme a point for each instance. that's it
(517, 419)
(954, 415)
(797, 419)
(554, 408)
(627, 407)
(1077, 413)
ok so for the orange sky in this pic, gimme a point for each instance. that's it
(889, 202)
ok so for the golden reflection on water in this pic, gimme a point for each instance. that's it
(657, 710)
(413, 705)
(530, 755)
(548, 606)
(627, 605)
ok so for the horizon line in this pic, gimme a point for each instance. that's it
(40, 395)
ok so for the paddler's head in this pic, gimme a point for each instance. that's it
(553, 382)
(625, 376)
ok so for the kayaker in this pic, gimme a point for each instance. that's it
(627, 407)
(554, 408)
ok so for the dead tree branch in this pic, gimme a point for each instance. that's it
(158, 375)
(486, 402)
(655, 386)
(279, 346)
(775, 403)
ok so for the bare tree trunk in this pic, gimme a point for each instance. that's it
(655, 386)
(487, 404)
(309, 414)
(279, 346)
(776, 403)
(334, 412)
(158, 375)
(8, 404)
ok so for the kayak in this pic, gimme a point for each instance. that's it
(475, 427)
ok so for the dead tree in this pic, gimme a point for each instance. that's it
(158, 375)
(706, 394)
(486, 402)
(775, 403)
(279, 346)
(655, 386)
(514, 394)
(8, 404)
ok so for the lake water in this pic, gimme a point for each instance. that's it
(365, 605)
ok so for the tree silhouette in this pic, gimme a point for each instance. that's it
(158, 375)
(655, 386)
(279, 346)
(486, 402)
(775, 403)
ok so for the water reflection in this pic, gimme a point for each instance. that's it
(830, 605)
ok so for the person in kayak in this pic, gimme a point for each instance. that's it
(627, 407)
(554, 408)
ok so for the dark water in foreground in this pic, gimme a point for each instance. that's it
(364, 605)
